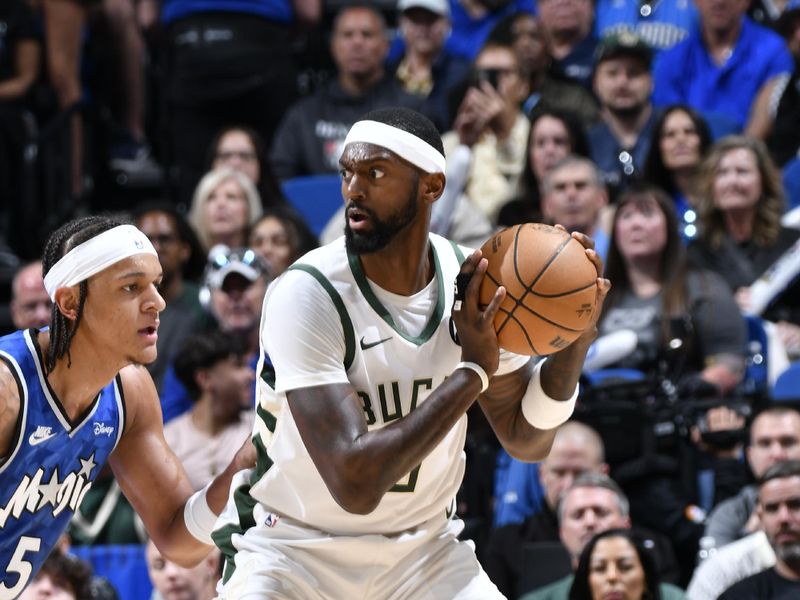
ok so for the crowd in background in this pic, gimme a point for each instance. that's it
(668, 130)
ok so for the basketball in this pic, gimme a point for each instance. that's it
(550, 285)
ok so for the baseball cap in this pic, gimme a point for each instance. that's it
(439, 7)
(223, 261)
(624, 43)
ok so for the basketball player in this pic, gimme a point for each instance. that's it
(75, 396)
(361, 419)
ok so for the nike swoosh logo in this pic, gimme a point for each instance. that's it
(35, 440)
(366, 346)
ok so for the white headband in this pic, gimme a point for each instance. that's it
(95, 255)
(406, 145)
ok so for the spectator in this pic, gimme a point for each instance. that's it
(624, 85)
(227, 61)
(660, 24)
(778, 511)
(681, 139)
(569, 26)
(214, 371)
(577, 449)
(62, 577)
(280, 237)
(740, 208)
(526, 34)
(425, 67)
(174, 582)
(224, 207)
(310, 136)
(616, 563)
(554, 134)
(575, 197)
(653, 291)
(593, 504)
(179, 253)
(774, 437)
(30, 304)
(490, 124)
(723, 64)
(235, 283)
(242, 149)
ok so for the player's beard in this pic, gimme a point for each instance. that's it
(382, 232)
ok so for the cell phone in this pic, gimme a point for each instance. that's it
(492, 76)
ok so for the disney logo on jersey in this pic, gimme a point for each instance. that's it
(42, 434)
(33, 494)
(102, 429)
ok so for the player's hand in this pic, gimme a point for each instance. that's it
(603, 284)
(245, 457)
(475, 327)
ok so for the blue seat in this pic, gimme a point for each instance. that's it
(124, 566)
(316, 198)
(787, 385)
(616, 375)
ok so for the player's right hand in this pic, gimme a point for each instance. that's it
(475, 326)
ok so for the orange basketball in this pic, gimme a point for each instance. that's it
(550, 285)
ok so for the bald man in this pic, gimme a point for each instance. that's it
(577, 449)
(30, 304)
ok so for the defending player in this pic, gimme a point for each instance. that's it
(361, 421)
(75, 396)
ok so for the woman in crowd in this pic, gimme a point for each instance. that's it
(554, 134)
(242, 149)
(661, 301)
(615, 564)
(740, 207)
(280, 237)
(224, 207)
(681, 140)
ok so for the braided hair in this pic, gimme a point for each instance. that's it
(61, 241)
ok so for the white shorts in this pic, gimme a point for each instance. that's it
(293, 562)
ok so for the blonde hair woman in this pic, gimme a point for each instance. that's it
(224, 207)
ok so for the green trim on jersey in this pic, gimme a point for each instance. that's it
(372, 300)
(223, 537)
(268, 373)
(347, 324)
(459, 254)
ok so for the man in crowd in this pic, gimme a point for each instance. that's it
(577, 449)
(779, 513)
(30, 304)
(774, 437)
(310, 136)
(622, 82)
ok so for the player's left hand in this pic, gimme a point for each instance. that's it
(475, 326)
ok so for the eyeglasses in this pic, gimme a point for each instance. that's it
(243, 155)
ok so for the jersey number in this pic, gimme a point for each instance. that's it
(22, 567)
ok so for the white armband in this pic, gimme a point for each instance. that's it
(478, 370)
(539, 409)
(199, 517)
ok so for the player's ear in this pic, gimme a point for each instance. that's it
(432, 186)
(68, 299)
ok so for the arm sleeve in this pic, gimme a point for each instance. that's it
(302, 333)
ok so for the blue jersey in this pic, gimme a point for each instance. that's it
(51, 462)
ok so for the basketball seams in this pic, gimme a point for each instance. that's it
(562, 294)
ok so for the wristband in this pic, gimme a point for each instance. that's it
(199, 518)
(539, 409)
(478, 370)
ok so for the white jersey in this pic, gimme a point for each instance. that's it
(323, 323)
